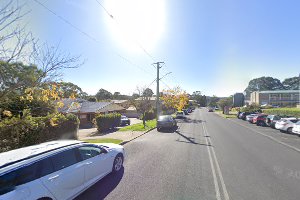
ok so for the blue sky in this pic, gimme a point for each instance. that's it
(214, 46)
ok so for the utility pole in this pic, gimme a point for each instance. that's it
(157, 87)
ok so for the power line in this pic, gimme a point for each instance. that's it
(86, 34)
(116, 21)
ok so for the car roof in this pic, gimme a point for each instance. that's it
(16, 155)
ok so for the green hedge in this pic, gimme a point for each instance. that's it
(16, 133)
(294, 112)
(105, 122)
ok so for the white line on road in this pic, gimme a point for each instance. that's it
(270, 137)
(226, 196)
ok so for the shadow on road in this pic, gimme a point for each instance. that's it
(103, 187)
(188, 120)
(190, 140)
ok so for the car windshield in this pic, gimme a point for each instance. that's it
(163, 118)
(185, 94)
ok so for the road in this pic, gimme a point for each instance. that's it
(208, 157)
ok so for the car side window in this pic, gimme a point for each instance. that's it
(87, 152)
(64, 159)
(45, 167)
(18, 177)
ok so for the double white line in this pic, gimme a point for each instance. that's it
(215, 167)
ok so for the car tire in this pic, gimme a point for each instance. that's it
(289, 130)
(45, 198)
(118, 163)
(158, 129)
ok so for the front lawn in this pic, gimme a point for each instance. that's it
(104, 140)
(140, 127)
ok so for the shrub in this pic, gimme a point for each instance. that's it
(17, 133)
(105, 122)
(293, 112)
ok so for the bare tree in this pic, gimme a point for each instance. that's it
(143, 103)
(19, 45)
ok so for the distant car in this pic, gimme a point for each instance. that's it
(185, 111)
(286, 124)
(216, 108)
(166, 122)
(124, 120)
(250, 117)
(190, 110)
(210, 109)
(244, 114)
(296, 128)
(271, 120)
(57, 169)
(180, 115)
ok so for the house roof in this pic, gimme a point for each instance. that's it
(119, 101)
(280, 91)
(89, 107)
(150, 98)
(79, 106)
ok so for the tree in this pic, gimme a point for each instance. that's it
(213, 101)
(175, 98)
(143, 105)
(147, 92)
(16, 77)
(222, 103)
(70, 89)
(263, 83)
(103, 94)
(135, 96)
(292, 83)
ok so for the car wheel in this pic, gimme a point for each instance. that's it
(118, 163)
(289, 130)
(158, 129)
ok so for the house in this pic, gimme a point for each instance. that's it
(86, 110)
(123, 103)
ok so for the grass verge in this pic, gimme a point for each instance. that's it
(231, 114)
(104, 140)
(140, 127)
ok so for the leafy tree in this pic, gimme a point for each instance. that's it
(135, 96)
(92, 99)
(70, 89)
(147, 92)
(175, 98)
(228, 101)
(264, 83)
(213, 101)
(292, 83)
(16, 77)
(103, 94)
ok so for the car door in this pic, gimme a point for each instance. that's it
(98, 162)
(67, 178)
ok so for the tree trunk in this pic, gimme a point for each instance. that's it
(144, 121)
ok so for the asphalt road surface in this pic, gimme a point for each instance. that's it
(207, 157)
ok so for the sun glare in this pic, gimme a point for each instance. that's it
(137, 23)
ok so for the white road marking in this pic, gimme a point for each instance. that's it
(270, 137)
(212, 161)
(226, 196)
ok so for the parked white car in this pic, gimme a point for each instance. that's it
(296, 128)
(286, 124)
(57, 169)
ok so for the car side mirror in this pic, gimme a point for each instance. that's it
(103, 151)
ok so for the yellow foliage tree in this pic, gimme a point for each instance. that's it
(175, 98)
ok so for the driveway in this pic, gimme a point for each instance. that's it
(92, 133)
